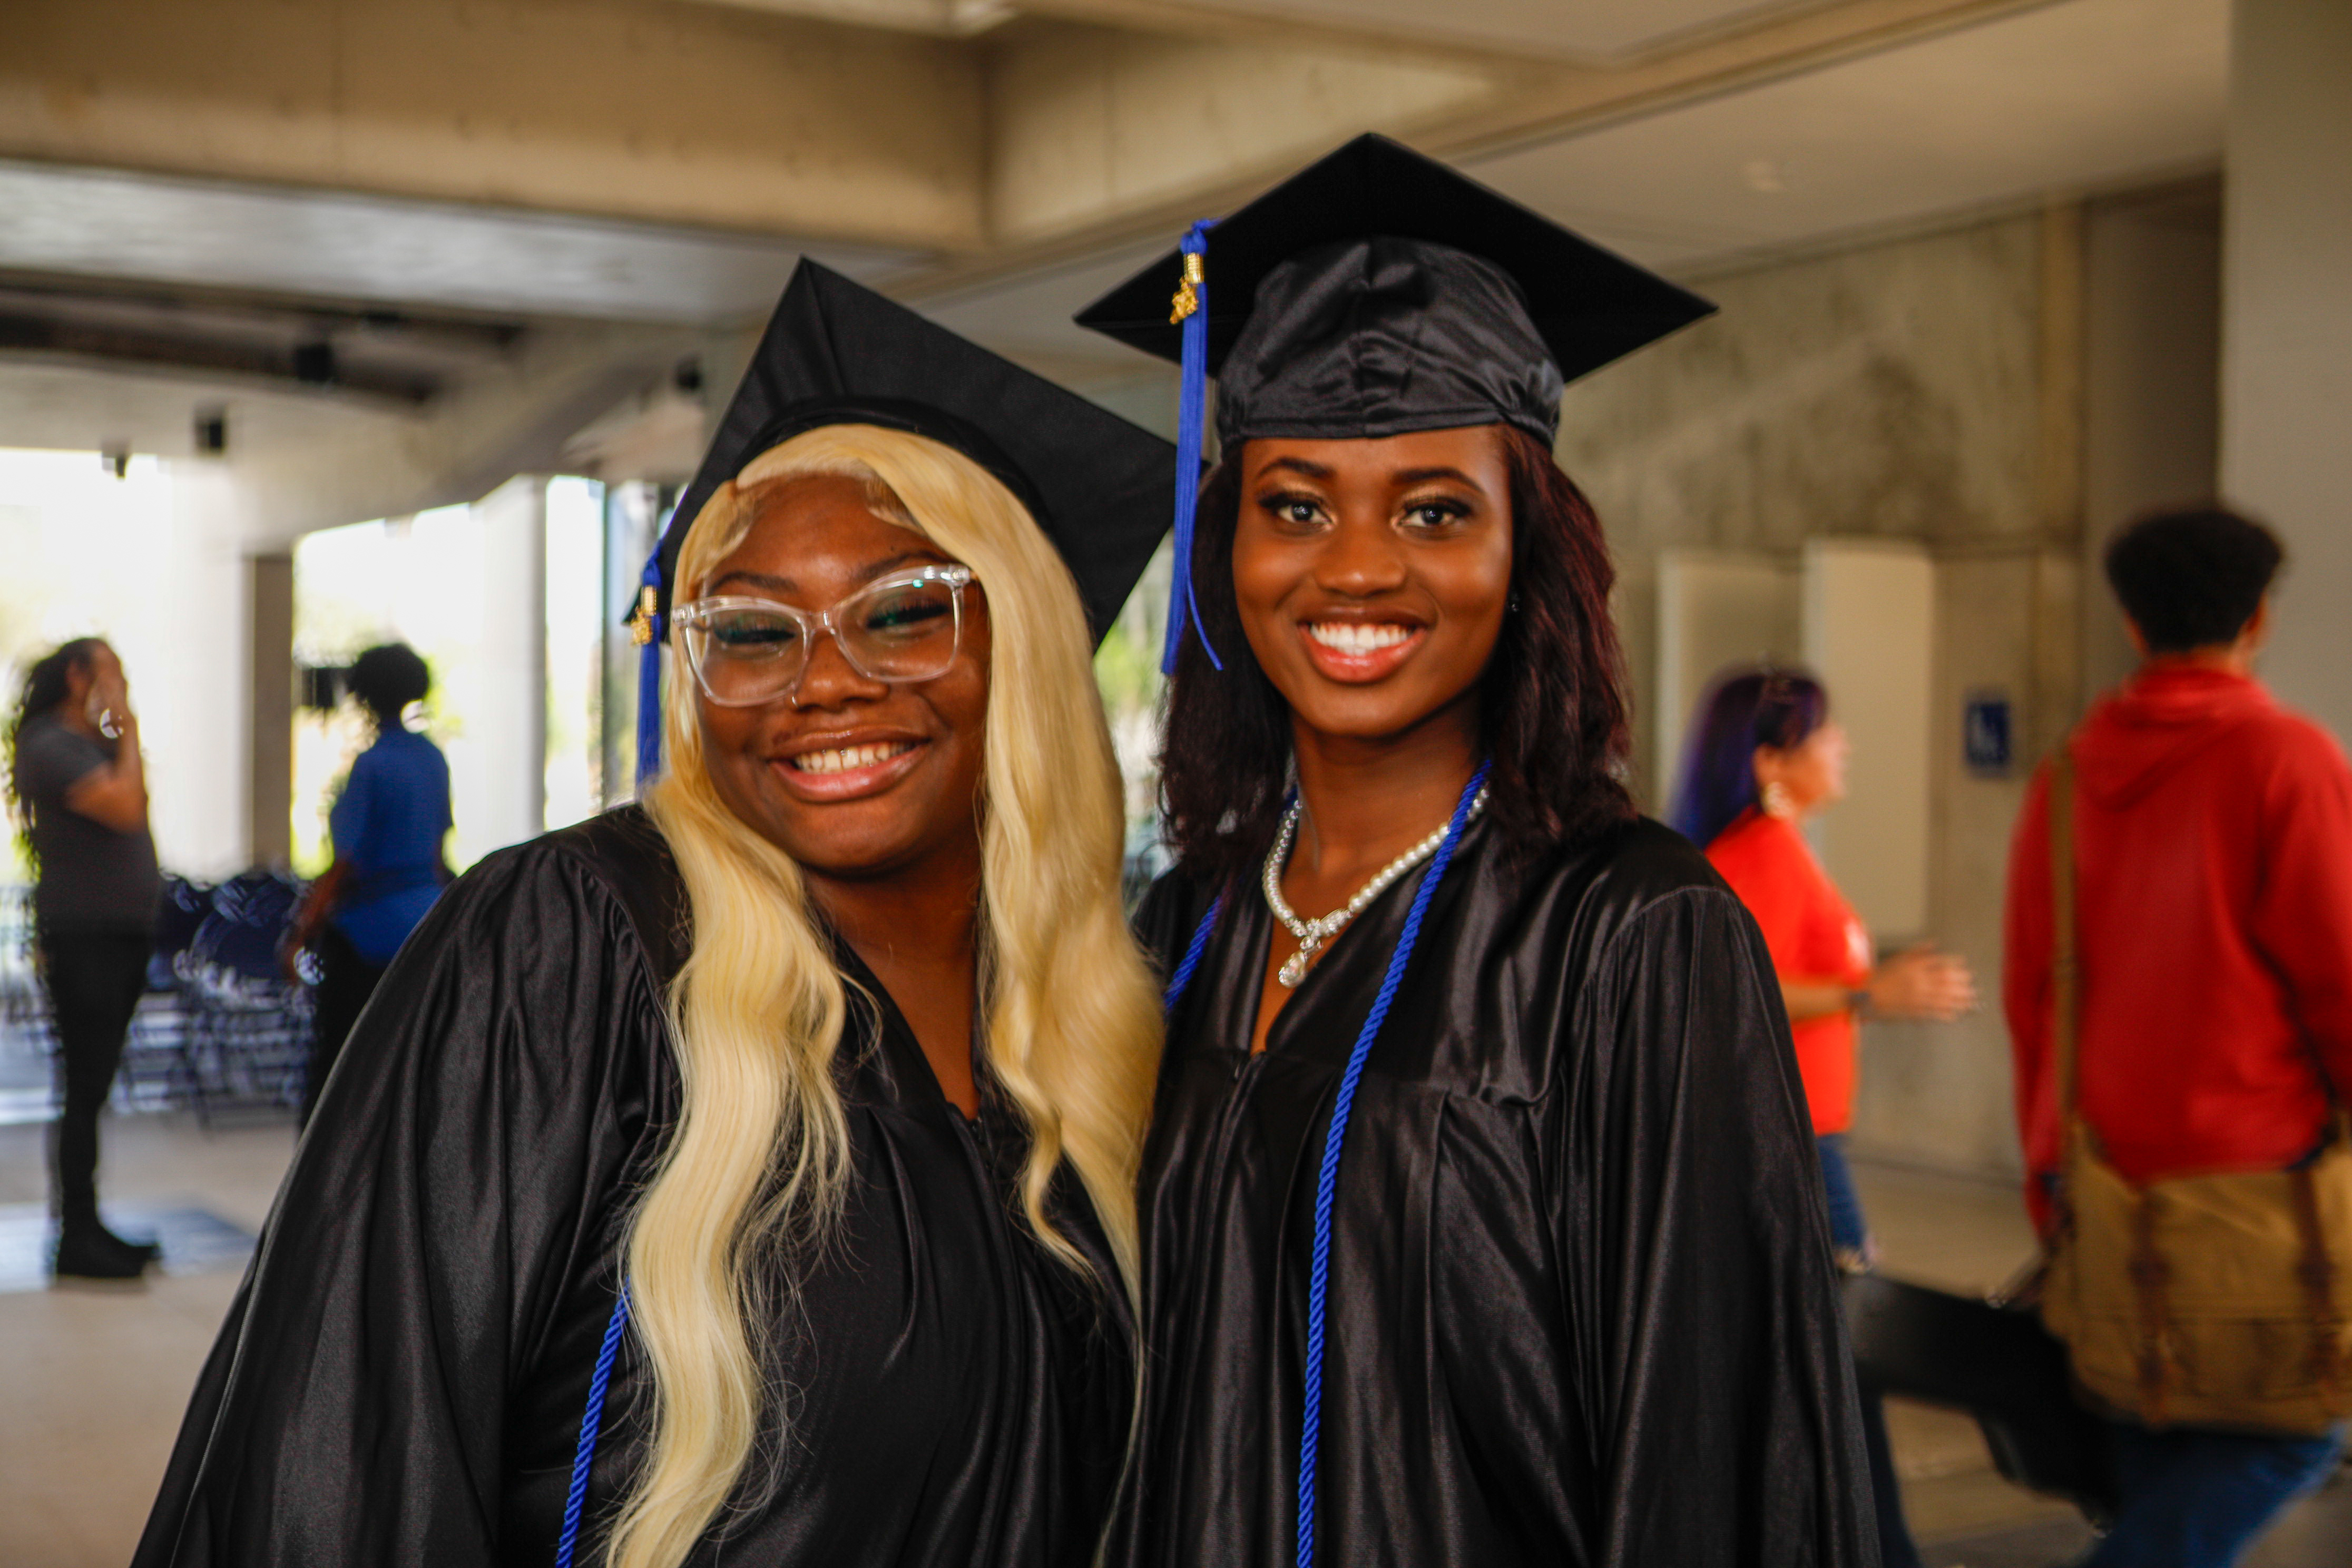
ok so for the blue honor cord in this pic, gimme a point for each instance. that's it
(592, 1422)
(1193, 950)
(1318, 1277)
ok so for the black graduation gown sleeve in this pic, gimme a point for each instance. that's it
(446, 1226)
(1581, 1304)
(1718, 1390)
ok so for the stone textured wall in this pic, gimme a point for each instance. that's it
(1889, 390)
(1923, 388)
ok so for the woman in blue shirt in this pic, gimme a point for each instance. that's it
(387, 828)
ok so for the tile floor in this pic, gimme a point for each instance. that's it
(93, 1379)
(96, 1376)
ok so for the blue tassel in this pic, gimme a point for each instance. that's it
(1190, 308)
(647, 623)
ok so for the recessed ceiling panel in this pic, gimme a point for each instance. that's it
(1988, 115)
(345, 247)
(2077, 95)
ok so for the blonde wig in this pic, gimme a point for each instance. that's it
(755, 1169)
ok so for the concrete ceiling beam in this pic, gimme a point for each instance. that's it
(1039, 139)
(516, 418)
(31, 333)
(708, 115)
(1089, 126)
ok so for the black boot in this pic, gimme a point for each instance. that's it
(94, 1252)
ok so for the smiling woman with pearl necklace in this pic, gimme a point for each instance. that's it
(1479, 1212)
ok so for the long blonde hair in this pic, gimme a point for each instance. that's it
(755, 1169)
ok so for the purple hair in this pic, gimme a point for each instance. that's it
(1744, 707)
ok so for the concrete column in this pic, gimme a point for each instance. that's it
(511, 713)
(2152, 361)
(269, 833)
(2287, 326)
(633, 514)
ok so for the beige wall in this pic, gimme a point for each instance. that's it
(1869, 616)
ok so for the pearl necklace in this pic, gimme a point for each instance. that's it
(1314, 935)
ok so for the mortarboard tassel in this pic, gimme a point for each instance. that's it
(646, 628)
(1190, 306)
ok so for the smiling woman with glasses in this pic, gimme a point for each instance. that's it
(905, 627)
(747, 1175)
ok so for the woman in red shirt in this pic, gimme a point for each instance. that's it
(1764, 755)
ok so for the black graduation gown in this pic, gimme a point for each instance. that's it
(1581, 1309)
(402, 1376)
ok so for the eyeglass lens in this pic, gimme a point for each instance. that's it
(896, 631)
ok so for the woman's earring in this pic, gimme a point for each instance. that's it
(1776, 801)
(1512, 606)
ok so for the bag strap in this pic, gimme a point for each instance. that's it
(2316, 1271)
(2064, 972)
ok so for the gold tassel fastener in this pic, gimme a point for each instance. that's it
(1188, 293)
(641, 622)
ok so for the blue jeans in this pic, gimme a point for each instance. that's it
(2198, 1500)
(1848, 1231)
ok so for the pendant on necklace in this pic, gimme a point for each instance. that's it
(1312, 935)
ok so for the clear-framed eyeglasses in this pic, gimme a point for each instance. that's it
(746, 651)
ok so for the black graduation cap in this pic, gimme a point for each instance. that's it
(1379, 291)
(838, 354)
(1373, 293)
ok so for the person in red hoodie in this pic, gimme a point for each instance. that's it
(2213, 855)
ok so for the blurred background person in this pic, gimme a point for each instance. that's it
(2213, 847)
(388, 826)
(1764, 755)
(80, 788)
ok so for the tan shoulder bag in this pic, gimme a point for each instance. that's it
(2212, 1301)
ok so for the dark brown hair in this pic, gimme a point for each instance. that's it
(2194, 577)
(1552, 712)
(45, 691)
(386, 678)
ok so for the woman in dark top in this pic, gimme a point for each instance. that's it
(388, 826)
(1479, 1210)
(80, 786)
(836, 1055)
